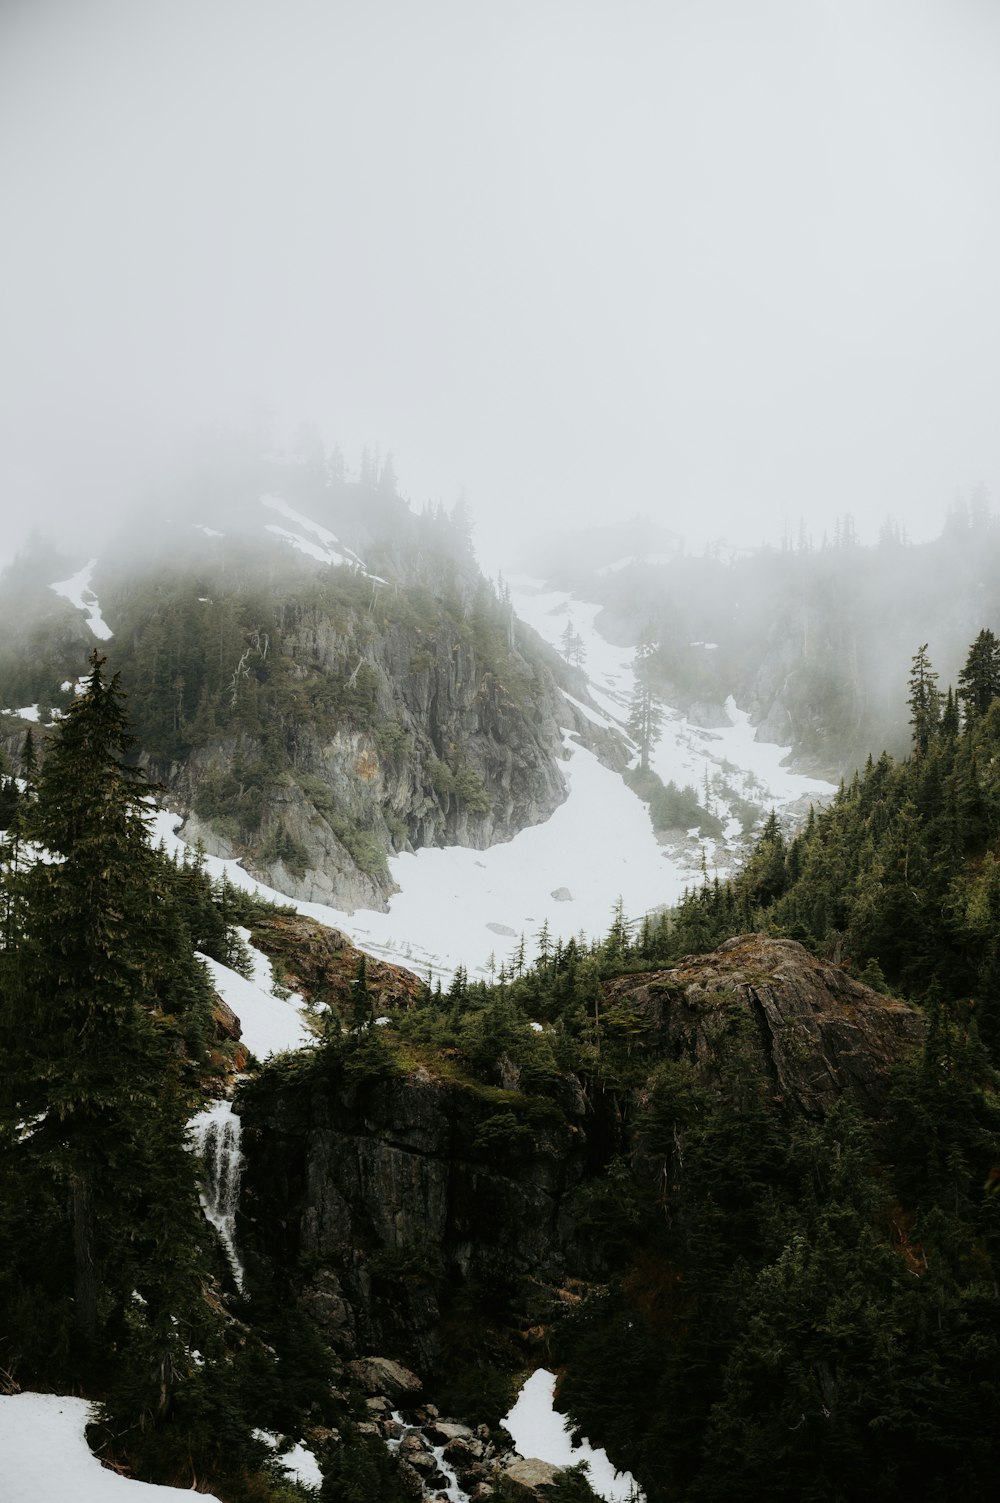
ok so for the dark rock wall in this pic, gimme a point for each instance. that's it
(381, 1198)
(379, 1202)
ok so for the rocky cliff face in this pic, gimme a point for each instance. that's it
(804, 1025)
(447, 752)
(399, 1195)
(394, 1194)
(453, 747)
(311, 714)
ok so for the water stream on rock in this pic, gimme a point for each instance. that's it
(217, 1139)
(451, 1490)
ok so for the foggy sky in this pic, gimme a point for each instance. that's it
(726, 262)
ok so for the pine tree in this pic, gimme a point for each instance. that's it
(949, 715)
(361, 1002)
(100, 956)
(979, 680)
(645, 721)
(924, 700)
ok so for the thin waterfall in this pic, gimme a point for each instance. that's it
(216, 1133)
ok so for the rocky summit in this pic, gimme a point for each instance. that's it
(805, 1025)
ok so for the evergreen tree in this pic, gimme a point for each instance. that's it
(979, 680)
(645, 721)
(361, 1002)
(572, 646)
(763, 878)
(99, 957)
(949, 715)
(29, 761)
(924, 700)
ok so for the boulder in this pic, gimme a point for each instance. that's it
(536, 1478)
(380, 1377)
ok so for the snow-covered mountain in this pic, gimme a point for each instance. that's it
(472, 907)
(564, 839)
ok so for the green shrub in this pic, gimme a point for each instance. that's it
(502, 1131)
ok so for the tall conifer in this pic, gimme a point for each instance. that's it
(98, 1068)
(979, 680)
(924, 700)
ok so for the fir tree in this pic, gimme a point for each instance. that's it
(29, 761)
(361, 1002)
(645, 721)
(99, 956)
(979, 680)
(924, 700)
(572, 645)
(949, 715)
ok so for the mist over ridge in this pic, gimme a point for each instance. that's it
(726, 268)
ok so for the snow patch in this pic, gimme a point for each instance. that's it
(323, 555)
(296, 1460)
(77, 591)
(636, 561)
(302, 1465)
(269, 1024)
(46, 1458)
(323, 545)
(539, 1432)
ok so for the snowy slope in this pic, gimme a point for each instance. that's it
(458, 906)
(270, 1024)
(44, 1456)
(312, 538)
(722, 765)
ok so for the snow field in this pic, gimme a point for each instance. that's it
(44, 1456)
(598, 846)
